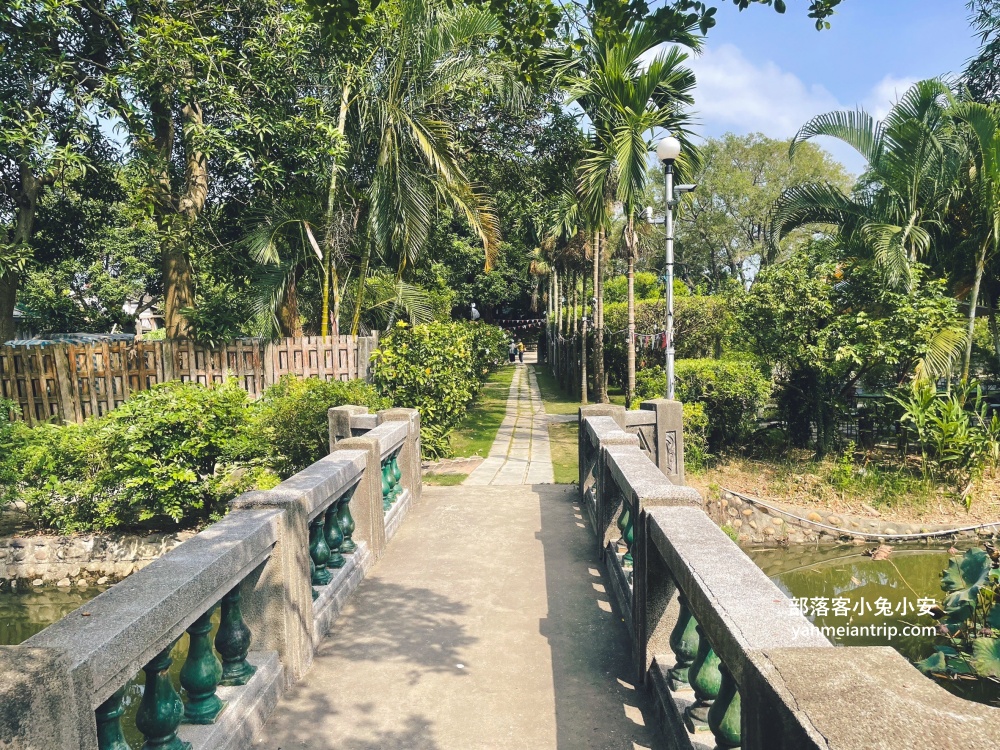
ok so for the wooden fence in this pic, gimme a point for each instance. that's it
(70, 382)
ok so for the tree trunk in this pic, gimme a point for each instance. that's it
(360, 297)
(576, 302)
(288, 312)
(583, 337)
(630, 242)
(973, 302)
(600, 377)
(30, 189)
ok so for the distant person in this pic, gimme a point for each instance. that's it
(474, 313)
(512, 351)
(520, 350)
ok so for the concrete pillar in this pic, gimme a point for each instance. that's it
(277, 597)
(366, 504)
(669, 437)
(39, 707)
(366, 345)
(339, 419)
(409, 454)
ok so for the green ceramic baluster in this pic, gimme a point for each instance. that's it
(622, 521)
(160, 710)
(629, 537)
(319, 553)
(705, 679)
(109, 723)
(386, 487)
(347, 524)
(233, 642)
(334, 535)
(312, 575)
(725, 714)
(201, 673)
(397, 476)
(684, 643)
(391, 476)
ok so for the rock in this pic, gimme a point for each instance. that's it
(748, 512)
(753, 524)
(834, 520)
(814, 516)
(768, 531)
(737, 523)
(889, 530)
(777, 521)
(82, 583)
(102, 580)
(37, 582)
(63, 583)
(41, 554)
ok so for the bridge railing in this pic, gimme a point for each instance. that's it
(277, 569)
(720, 646)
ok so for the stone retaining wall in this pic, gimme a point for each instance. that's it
(81, 560)
(755, 524)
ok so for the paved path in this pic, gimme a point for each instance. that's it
(520, 452)
(485, 626)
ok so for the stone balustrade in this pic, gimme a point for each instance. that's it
(277, 570)
(726, 657)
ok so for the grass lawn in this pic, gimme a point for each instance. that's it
(479, 428)
(565, 458)
(444, 480)
(556, 401)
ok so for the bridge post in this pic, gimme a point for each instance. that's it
(39, 706)
(669, 437)
(339, 419)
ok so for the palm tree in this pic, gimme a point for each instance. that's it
(902, 199)
(627, 100)
(401, 154)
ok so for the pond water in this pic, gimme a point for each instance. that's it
(878, 595)
(27, 611)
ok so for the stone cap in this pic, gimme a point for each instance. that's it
(639, 480)
(737, 605)
(390, 436)
(315, 487)
(603, 430)
(856, 699)
(640, 417)
(134, 620)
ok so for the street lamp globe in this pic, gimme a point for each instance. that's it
(668, 149)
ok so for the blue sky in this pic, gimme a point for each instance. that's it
(761, 71)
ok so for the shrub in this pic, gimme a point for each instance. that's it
(289, 429)
(436, 368)
(8, 472)
(162, 454)
(732, 391)
(696, 455)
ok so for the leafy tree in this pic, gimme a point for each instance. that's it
(828, 325)
(721, 227)
(626, 100)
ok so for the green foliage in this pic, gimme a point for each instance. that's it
(702, 324)
(696, 455)
(954, 432)
(438, 369)
(647, 287)
(161, 455)
(8, 472)
(732, 392)
(289, 428)
(969, 617)
(828, 326)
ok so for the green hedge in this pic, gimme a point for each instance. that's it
(290, 429)
(175, 454)
(702, 324)
(732, 391)
(437, 368)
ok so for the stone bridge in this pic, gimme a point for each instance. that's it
(357, 609)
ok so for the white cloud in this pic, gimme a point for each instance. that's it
(884, 94)
(735, 94)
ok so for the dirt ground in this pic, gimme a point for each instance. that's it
(803, 482)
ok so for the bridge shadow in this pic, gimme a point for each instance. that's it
(598, 704)
(391, 623)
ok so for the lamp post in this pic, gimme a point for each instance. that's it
(667, 150)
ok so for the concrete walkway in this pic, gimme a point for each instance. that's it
(520, 453)
(485, 625)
